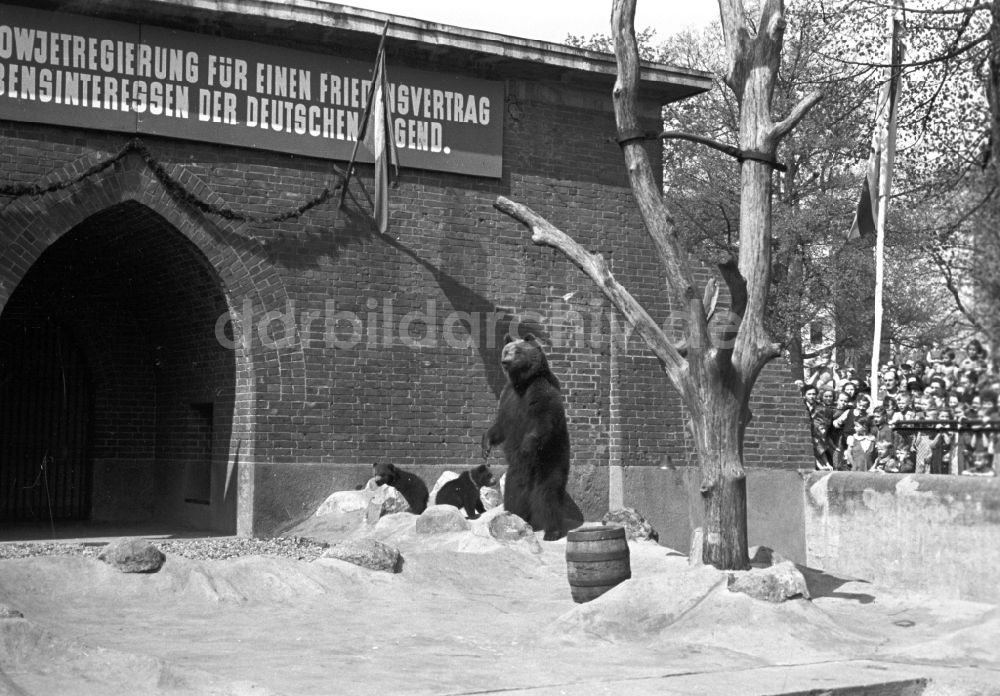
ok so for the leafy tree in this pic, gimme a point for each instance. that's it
(839, 45)
(814, 274)
(815, 194)
(602, 43)
(955, 165)
(939, 232)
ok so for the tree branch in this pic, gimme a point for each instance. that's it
(594, 266)
(782, 128)
(730, 150)
(949, 281)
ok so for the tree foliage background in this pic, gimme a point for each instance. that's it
(942, 238)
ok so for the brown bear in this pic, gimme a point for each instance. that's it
(463, 492)
(531, 425)
(410, 486)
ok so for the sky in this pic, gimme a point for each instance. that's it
(547, 20)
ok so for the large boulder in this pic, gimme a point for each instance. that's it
(776, 583)
(133, 555)
(345, 501)
(367, 553)
(506, 526)
(438, 519)
(636, 526)
(385, 501)
(491, 497)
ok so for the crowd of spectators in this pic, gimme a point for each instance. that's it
(936, 414)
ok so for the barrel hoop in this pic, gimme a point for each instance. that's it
(596, 534)
(602, 582)
(591, 556)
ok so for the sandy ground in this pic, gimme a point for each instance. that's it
(470, 615)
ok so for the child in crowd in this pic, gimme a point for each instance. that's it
(892, 413)
(954, 400)
(851, 390)
(905, 401)
(880, 426)
(928, 445)
(862, 406)
(885, 456)
(982, 464)
(861, 445)
(903, 463)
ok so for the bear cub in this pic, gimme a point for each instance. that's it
(463, 492)
(410, 486)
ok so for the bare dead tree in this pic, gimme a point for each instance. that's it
(714, 371)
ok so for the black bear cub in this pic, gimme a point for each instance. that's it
(410, 486)
(531, 425)
(463, 492)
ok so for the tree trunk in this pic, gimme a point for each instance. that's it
(993, 88)
(795, 358)
(718, 435)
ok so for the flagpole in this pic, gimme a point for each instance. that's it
(364, 118)
(887, 137)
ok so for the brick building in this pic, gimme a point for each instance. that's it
(193, 331)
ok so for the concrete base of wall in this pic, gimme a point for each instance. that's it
(282, 495)
(671, 501)
(939, 534)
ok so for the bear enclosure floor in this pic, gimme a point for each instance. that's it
(96, 532)
(471, 615)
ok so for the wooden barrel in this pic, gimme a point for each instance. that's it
(597, 559)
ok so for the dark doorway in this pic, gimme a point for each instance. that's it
(113, 331)
(44, 422)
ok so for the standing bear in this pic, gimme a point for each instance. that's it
(531, 425)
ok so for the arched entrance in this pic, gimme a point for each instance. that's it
(121, 396)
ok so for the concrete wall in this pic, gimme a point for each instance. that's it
(934, 533)
(670, 500)
(937, 534)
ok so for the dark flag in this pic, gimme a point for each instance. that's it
(883, 148)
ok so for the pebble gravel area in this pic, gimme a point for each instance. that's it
(220, 549)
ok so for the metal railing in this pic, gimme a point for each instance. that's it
(965, 446)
